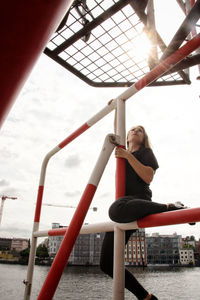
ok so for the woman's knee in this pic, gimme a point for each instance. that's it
(116, 210)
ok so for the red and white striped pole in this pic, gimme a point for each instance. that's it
(181, 216)
(73, 230)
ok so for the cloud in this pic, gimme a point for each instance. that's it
(15, 231)
(72, 161)
(72, 194)
(3, 182)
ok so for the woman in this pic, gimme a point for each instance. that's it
(141, 165)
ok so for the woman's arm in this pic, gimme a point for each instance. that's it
(146, 173)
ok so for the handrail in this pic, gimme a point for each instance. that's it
(181, 216)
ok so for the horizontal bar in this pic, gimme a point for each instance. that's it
(181, 216)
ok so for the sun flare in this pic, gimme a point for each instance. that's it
(141, 48)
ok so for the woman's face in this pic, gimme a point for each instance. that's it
(136, 135)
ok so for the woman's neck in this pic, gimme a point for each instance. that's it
(133, 147)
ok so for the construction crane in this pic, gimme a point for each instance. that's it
(3, 199)
(68, 206)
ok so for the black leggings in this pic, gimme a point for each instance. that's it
(124, 210)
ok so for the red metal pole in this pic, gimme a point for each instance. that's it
(66, 246)
(173, 59)
(25, 29)
(171, 218)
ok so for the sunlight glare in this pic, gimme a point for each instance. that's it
(141, 47)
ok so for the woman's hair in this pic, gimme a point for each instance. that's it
(146, 143)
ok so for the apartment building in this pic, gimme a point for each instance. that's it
(135, 250)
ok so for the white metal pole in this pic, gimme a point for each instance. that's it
(119, 271)
(1, 209)
(31, 263)
(119, 235)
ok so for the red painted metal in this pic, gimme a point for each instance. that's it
(66, 247)
(74, 135)
(120, 177)
(39, 203)
(25, 29)
(57, 232)
(171, 218)
(172, 60)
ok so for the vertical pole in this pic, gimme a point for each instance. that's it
(151, 31)
(31, 261)
(119, 235)
(1, 208)
(193, 33)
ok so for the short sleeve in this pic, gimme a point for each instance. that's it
(148, 159)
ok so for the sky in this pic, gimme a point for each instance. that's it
(53, 103)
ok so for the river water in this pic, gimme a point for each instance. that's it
(89, 283)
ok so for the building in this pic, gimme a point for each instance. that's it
(187, 257)
(5, 244)
(19, 244)
(86, 250)
(188, 241)
(163, 249)
(54, 241)
(135, 250)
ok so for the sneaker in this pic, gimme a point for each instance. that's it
(176, 205)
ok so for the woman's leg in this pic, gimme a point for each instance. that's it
(106, 265)
(127, 209)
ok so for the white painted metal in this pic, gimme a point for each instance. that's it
(109, 144)
(95, 228)
(102, 113)
(31, 262)
(118, 266)
(128, 93)
(118, 271)
(112, 105)
(1, 208)
(121, 121)
(45, 162)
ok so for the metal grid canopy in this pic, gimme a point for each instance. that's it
(97, 41)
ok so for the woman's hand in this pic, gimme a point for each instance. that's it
(122, 153)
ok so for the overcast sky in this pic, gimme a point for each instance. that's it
(54, 103)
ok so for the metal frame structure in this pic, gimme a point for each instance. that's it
(96, 43)
(111, 141)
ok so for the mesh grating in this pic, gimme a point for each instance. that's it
(102, 44)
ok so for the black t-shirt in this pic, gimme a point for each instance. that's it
(135, 186)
